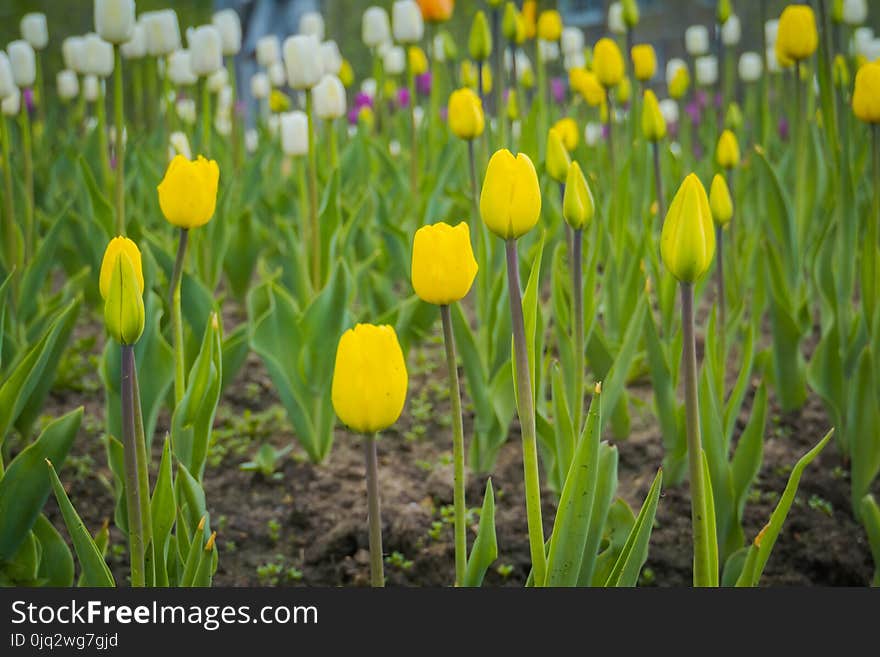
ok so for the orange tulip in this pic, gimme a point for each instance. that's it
(436, 11)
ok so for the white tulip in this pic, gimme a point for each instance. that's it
(438, 49)
(731, 31)
(872, 50)
(329, 97)
(771, 31)
(277, 74)
(206, 54)
(218, 80)
(592, 133)
(23, 63)
(91, 88)
(7, 82)
(696, 40)
(773, 65)
(855, 12)
(407, 21)
(72, 53)
(114, 20)
(162, 32)
(302, 61)
(312, 23)
(268, 50)
(549, 50)
(228, 24)
(672, 67)
(669, 110)
(97, 56)
(223, 124)
(224, 99)
(260, 86)
(136, 46)
(516, 130)
(861, 40)
(331, 58)
(572, 40)
(751, 66)
(179, 69)
(706, 68)
(34, 30)
(375, 27)
(294, 127)
(369, 86)
(186, 110)
(68, 84)
(394, 148)
(419, 115)
(251, 140)
(273, 123)
(616, 24)
(178, 144)
(394, 60)
(11, 105)
(576, 59)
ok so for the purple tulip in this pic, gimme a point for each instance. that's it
(363, 99)
(403, 97)
(423, 84)
(29, 100)
(557, 90)
(353, 114)
(783, 128)
(605, 131)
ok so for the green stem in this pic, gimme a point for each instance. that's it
(458, 486)
(177, 319)
(526, 412)
(722, 310)
(138, 91)
(13, 254)
(314, 228)
(27, 147)
(132, 488)
(610, 128)
(152, 91)
(869, 285)
(119, 127)
(541, 80)
(41, 88)
(702, 568)
(206, 117)
(413, 135)
(498, 75)
(236, 128)
(578, 309)
(333, 144)
(301, 166)
(658, 182)
(143, 464)
(101, 115)
(374, 515)
(799, 134)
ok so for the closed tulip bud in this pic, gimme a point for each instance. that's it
(277, 74)
(346, 74)
(329, 96)
(623, 92)
(607, 63)
(681, 81)
(480, 39)
(228, 24)
(178, 144)
(653, 123)
(723, 11)
(179, 69)
(751, 66)
(733, 119)
(188, 192)
(727, 152)
(866, 97)
(871, 53)
(592, 134)
(294, 128)
(510, 22)
(394, 60)
(577, 201)
(644, 61)
(218, 81)
(186, 111)
(574, 60)
(417, 60)
(260, 86)
(34, 30)
(669, 110)
(854, 12)
(7, 82)
(302, 61)
(97, 56)
(92, 88)
(369, 378)
(443, 264)
(706, 68)
(512, 105)
(687, 241)
(530, 18)
(510, 202)
(567, 128)
(630, 13)
(771, 32)
(67, 84)
(616, 24)
(136, 46)
(311, 23)
(720, 202)
(331, 58)
(797, 37)
(11, 104)
(438, 11)
(407, 22)
(122, 288)
(162, 31)
(558, 159)
(465, 110)
(696, 40)
(72, 49)
(375, 27)
(731, 31)
(23, 62)
(592, 90)
(549, 50)
(205, 48)
(549, 25)
(527, 78)
(114, 20)
(268, 50)
(840, 72)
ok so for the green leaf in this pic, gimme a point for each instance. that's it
(749, 452)
(614, 384)
(485, 547)
(56, 562)
(163, 510)
(863, 426)
(870, 515)
(635, 550)
(606, 487)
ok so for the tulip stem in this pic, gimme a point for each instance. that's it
(722, 311)
(177, 319)
(152, 89)
(702, 569)
(40, 91)
(526, 412)
(498, 78)
(132, 488)
(374, 513)
(658, 181)
(143, 464)
(206, 117)
(472, 163)
(869, 286)
(333, 144)
(101, 115)
(610, 123)
(314, 230)
(138, 91)
(236, 128)
(458, 488)
(800, 131)
(578, 310)
(27, 147)
(13, 254)
(119, 131)
(413, 136)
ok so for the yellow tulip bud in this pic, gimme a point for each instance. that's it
(653, 123)
(644, 61)
(630, 13)
(509, 26)
(512, 105)
(188, 192)
(369, 378)
(549, 25)
(678, 87)
(720, 202)
(841, 72)
(608, 63)
(278, 101)
(480, 40)
(487, 79)
(510, 203)
(687, 241)
(123, 295)
(346, 74)
(119, 245)
(797, 37)
(577, 202)
(723, 11)
(465, 111)
(733, 119)
(727, 151)
(568, 130)
(443, 264)
(529, 17)
(624, 90)
(557, 161)
(592, 90)
(866, 97)
(366, 118)
(418, 61)
(527, 79)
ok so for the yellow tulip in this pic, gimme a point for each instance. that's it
(644, 61)
(278, 102)
(466, 119)
(549, 25)
(679, 84)
(346, 74)
(443, 264)
(369, 378)
(797, 37)
(188, 192)
(720, 202)
(510, 203)
(568, 130)
(480, 39)
(866, 97)
(577, 202)
(727, 151)
(687, 241)
(608, 63)
(723, 11)
(591, 89)
(512, 25)
(630, 13)
(557, 160)
(512, 105)
(527, 79)
(469, 76)
(123, 294)
(116, 246)
(624, 90)
(840, 72)
(418, 61)
(653, 123)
